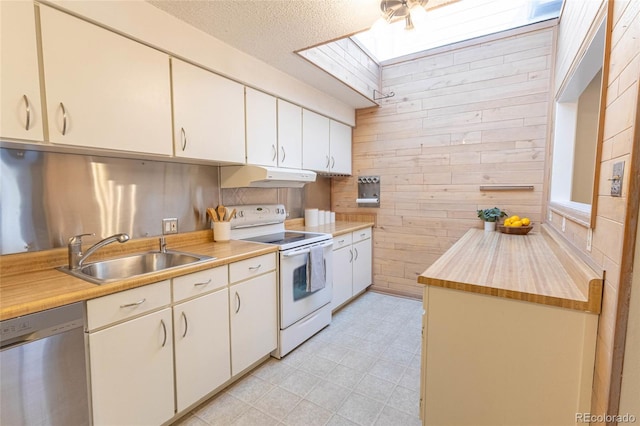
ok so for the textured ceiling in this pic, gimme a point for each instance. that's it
(271, 30)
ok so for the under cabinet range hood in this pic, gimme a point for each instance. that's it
(264, 177)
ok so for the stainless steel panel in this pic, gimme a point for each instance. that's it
(46, 197)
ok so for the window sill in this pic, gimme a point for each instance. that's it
(576, 212)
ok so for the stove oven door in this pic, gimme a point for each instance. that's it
(295, 301)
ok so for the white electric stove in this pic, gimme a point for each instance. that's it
(302, 313)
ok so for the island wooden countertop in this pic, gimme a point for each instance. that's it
(336, 229)
(30, 283)
(538, 267)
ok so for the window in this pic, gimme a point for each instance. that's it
(452, 23)
(575, 141)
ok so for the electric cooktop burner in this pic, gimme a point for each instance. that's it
(281, 238)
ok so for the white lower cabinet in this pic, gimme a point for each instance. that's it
(201, 328)
(362, 263)
(212, 330)
(254, 320)
(132, 371)
(352, 266)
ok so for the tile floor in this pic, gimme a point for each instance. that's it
(361, 370)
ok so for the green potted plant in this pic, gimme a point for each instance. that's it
(490, 217)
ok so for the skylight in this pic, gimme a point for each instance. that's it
(459, 21)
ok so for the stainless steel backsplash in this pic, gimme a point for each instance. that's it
(47, 197)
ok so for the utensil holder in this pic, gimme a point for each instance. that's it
(221, 231)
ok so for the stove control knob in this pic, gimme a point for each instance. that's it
(241, 213)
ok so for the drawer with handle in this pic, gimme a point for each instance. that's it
(362, 234)
(200, 282)
(127, 304)
(248, 268)
(342, 241)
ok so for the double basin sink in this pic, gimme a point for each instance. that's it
(111, 270)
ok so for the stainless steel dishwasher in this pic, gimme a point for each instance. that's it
(42, 368)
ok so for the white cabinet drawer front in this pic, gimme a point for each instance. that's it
(362, 234)
(248, 268)
(342, 241)
(199, 283)
(126, 304)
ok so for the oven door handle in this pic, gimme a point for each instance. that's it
(305, 251)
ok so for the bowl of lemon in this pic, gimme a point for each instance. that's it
(516, 225)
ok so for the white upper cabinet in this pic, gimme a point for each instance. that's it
(340, 148)
(208, 115)
(326, 144)
(289, 135)
(315, 141)
(262, 143)
(21, 116)
(104, 90)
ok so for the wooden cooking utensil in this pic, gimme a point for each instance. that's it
(230, 216)
(221, 212)
(212, 214)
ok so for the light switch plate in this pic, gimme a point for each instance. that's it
(589, 238)
(616, 179)
(564, 224)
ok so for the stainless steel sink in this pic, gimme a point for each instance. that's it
(121, 268)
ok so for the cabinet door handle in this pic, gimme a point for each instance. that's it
(284, 154)
(203, 283)
(275, 152)
(131, 305)
(328, 161)
(340, 241)
(164, 329)
(356, 250)
(183, 138)
(364, 234)
(351, 253)
(237, 302)
(64, 119)
(186, 324)
(255, 268)
(333, 162)
(28, 109)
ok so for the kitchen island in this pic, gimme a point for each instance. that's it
(509, 332)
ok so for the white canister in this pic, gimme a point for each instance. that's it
(320, 217)
(221, 231)
(327, 216)
(333, 217)
(311, 217)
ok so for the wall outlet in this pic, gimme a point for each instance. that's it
(170, 226)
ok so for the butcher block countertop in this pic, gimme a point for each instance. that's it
(538, 267)
(336, 229)
(30, 283)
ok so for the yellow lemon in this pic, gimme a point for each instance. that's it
(526, 221)
(516, 224)
(507, 222)
(514, 218)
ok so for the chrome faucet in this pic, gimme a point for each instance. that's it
(77, 258)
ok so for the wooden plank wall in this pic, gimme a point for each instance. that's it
(619, 128)
(347, 62)
(577, 17)
(473, 114)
